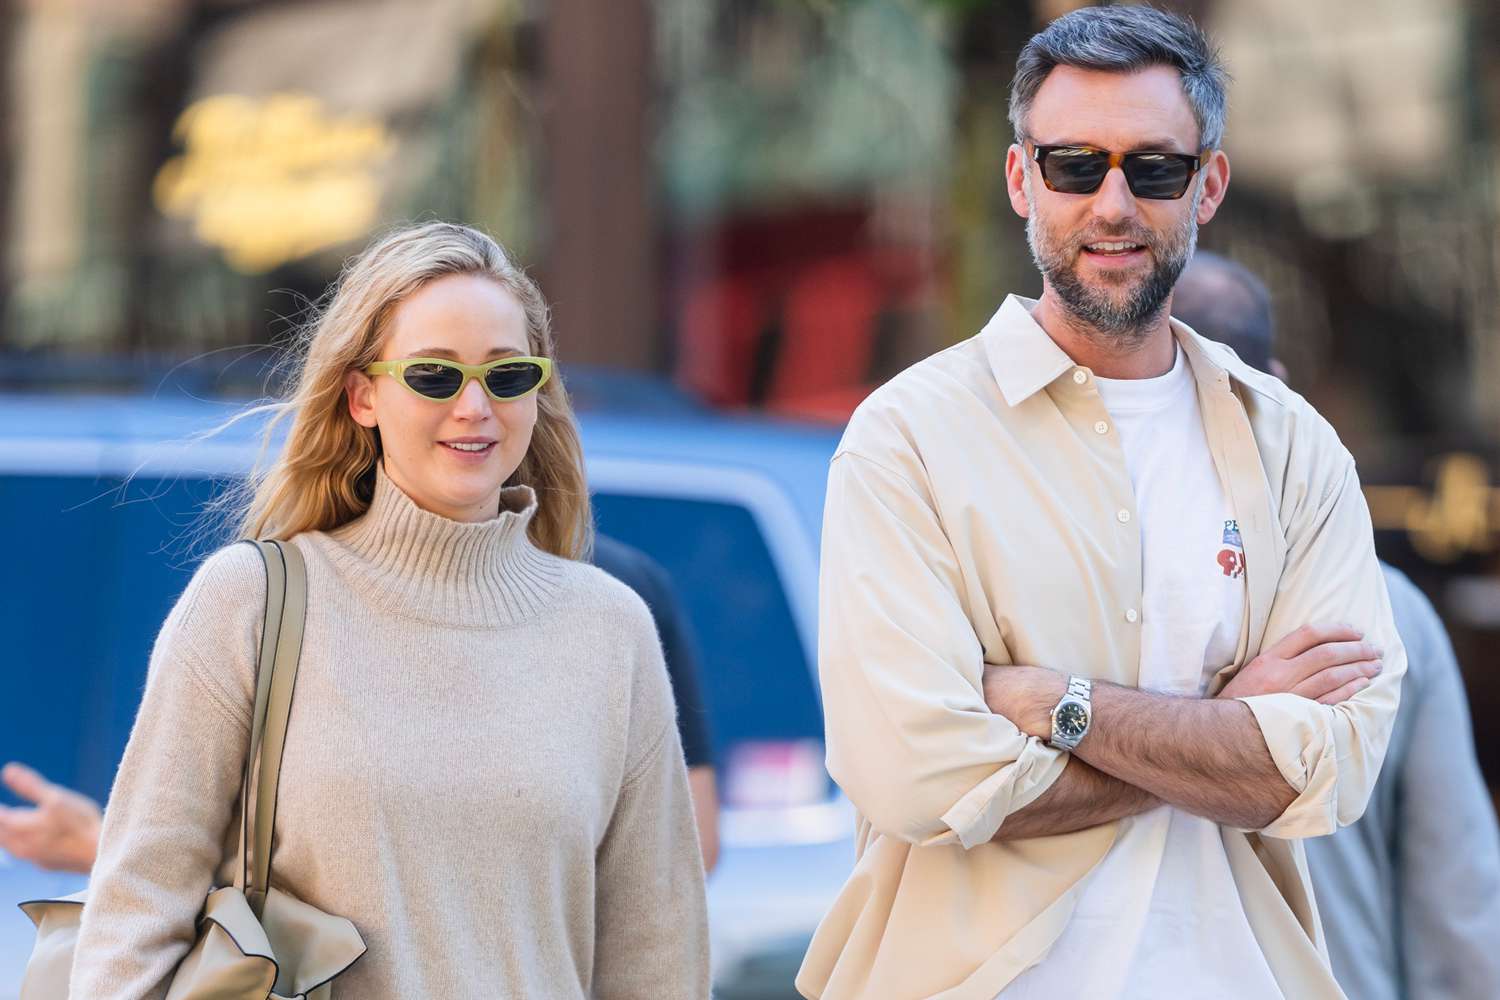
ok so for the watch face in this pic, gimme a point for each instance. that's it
(1071, 720)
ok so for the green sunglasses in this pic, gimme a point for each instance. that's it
(505, 379)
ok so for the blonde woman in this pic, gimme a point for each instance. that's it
(483, 771)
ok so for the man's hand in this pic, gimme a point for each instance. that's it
(1224, 772)
(1025, 695)
(1324, 663)
(61, 831)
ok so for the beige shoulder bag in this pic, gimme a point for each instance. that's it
(254, 942)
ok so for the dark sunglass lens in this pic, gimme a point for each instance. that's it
(1075, 171)
(1155, 176)
(509, 381)
(434, 381)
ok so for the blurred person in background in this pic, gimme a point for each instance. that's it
(650, 581)
(59, 830)
(483, 771)
(1410, 894)
(1100, 643)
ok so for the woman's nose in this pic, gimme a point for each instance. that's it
(473, 402)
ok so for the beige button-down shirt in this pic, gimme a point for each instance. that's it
(974, 516)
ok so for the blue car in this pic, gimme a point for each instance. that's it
(98, 493)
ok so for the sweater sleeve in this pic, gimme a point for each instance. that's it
(651, 912)
(177, 786)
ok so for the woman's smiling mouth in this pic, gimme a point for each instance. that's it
(470, 447)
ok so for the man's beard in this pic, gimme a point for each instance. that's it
(1124, 320)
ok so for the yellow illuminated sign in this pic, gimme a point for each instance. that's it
(271, 180)
(1460, 515)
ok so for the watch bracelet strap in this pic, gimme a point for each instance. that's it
(1079, 689)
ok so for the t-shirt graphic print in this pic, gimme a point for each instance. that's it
(1232, 555)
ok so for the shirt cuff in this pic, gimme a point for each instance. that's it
(973, 819)
(1299, 736)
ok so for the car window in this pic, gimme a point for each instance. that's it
(92, 568)
(756, 673)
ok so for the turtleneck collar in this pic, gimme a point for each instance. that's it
(422, 565)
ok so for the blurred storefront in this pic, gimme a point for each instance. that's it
(777, 205)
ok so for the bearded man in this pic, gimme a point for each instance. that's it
(1102, 631)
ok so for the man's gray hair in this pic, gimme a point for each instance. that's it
(1124, 40)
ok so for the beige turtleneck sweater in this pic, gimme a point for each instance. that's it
(482, 772)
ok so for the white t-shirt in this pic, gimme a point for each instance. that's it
(1176, 928)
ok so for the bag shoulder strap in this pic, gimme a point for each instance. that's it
(275, 569)
(275, 680)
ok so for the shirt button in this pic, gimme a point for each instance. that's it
(1131, 615)
(1080, 376)
(1101, 427)
(1123, 516)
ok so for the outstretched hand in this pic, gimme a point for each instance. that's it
(59, 831)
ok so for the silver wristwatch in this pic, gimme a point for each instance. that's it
(1071, 717)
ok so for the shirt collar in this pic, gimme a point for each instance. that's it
(1022, 356)
(1214, 364)
(1025, 360)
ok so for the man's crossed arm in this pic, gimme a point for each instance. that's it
(1204, 755)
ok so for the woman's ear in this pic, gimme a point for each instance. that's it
(360, 388)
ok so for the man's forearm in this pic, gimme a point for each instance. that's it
(1081, 797)
(1204, 755)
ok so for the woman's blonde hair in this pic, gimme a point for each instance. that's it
(324, 476)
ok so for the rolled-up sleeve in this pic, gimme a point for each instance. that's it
(910, 738)
(1331, 755)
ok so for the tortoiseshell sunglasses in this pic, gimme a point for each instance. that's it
(1160, 176)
